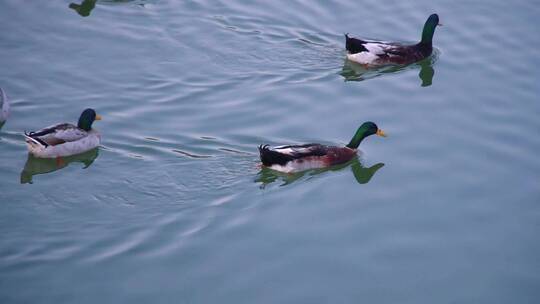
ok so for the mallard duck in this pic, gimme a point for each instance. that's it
(376, 53)
(296, 158)
(65, 139)
(4, 107)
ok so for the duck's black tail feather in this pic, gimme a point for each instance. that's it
(270, 157)
(354, 45)
(36, 140)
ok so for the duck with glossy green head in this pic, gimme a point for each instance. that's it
(65, 139)
(376, 53)
(296, 158)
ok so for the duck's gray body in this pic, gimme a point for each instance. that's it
(61, 140)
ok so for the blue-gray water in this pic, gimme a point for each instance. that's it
(173, 207)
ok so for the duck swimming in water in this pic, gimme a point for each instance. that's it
(4, 107)
(296, 158)
(376, 53)
(65, 139)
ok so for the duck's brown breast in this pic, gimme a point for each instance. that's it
(338, 155)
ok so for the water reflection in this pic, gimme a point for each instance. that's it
(352, 71)
(426, 71)
(84, 8)
(35, 166)
(362, 174)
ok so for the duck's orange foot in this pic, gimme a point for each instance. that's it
(60, 161)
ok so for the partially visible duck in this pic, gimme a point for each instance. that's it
(65, 139)
(4, 107)
(296, 158)
(376, 53)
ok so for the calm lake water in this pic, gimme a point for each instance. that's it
(173, 207)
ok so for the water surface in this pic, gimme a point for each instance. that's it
(173, 207)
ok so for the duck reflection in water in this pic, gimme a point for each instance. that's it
(84, 8)
(35, 166)
(352, 71)
(362, 174)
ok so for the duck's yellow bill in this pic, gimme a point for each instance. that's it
(98, 117)
(381, 133)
